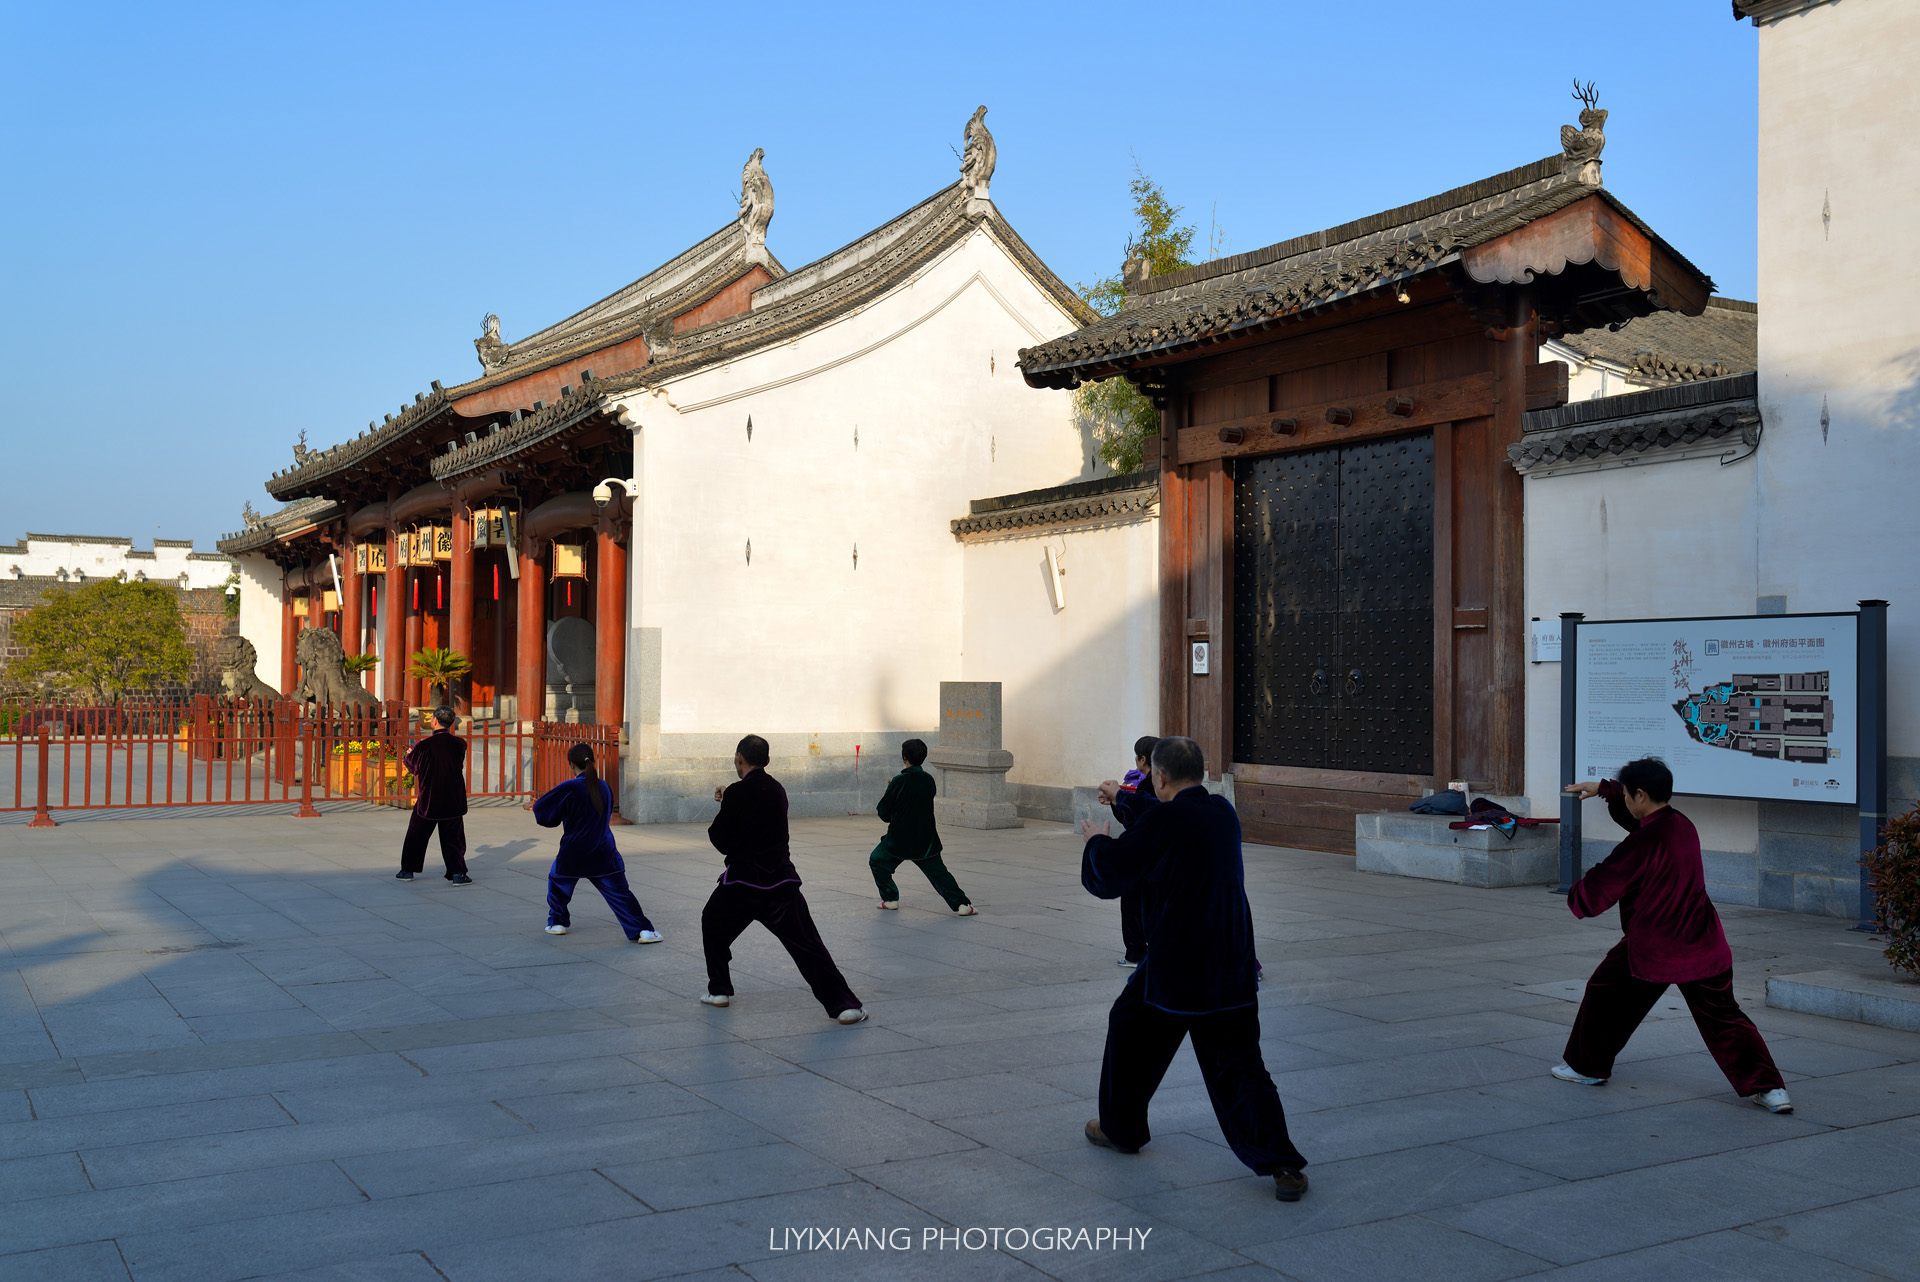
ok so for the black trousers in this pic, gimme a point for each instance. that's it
(782, 910)
(1133, 923)
(1141, 1042)
(453, 844)
(1615, 1003)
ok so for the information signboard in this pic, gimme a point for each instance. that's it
(1763, 706)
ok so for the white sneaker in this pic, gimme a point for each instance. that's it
(556, 930)
(853, 1016)
(1566, 1074)
(965, 910)
(1774, 1101)
(891, 905)
(648, 937)
(715, 999)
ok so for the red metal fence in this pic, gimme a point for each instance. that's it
(229, 752)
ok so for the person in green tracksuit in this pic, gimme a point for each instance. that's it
(907, 809)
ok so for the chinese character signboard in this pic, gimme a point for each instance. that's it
(1763, 707)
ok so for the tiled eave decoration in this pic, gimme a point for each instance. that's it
(1116, 499)
(291, 521)
(1709, 416)
(301, 480)
(1192, 313)
(574, 412)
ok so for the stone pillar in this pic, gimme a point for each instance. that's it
(289, 636)
(460, 602)
(393, 624)
(972, 764)
(530, 641)
(610, 626)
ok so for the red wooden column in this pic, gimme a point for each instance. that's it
(393, 624)
(530, 645)
(460, 601)
(289, 636)
(610, 624)
(350, 629)
(412, 685)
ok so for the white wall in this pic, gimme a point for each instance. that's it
(1080, 684)
(107, 558)
(801, 640)
(261, 612)
(1839, 195)
(1651, 540)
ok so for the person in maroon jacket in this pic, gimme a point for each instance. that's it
(1672, 935)
(438, 764)
(760, 884)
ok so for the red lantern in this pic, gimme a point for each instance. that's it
(416, 595)
(439, 597)
(496, 582)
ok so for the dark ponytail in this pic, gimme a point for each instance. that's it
(580, 756)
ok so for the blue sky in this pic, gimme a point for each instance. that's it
(227, 224)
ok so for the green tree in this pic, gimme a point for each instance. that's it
(1119, 414)
(107, 638)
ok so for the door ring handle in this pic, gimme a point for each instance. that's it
(1317, 684)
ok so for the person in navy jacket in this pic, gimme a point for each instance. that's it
(582, 808)
(1130, 798)
(1197, 978)
(438, 764)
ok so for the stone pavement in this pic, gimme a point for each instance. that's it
(237, 1047)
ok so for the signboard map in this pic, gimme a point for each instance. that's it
(1741, 707)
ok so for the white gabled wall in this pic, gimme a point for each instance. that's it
(262, 611)
(801, 640)
(1839, 326)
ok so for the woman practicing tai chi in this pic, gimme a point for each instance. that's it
(581, 808)
(1672, 936)
(907, 810)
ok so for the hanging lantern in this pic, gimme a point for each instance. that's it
(509, 529)
(439, 546)
(300, 604)
(482, 528)
(359, 558)
(329, 602)
(569, 560)
(403, 549)
(370, 558)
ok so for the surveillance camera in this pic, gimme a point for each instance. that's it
(602, 494)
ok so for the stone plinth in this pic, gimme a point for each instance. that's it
(1866, 997)
(972, 766)
(1410, 845)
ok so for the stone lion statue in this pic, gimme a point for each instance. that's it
(238, 659)
(323, 671)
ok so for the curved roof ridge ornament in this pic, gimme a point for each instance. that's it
(492, 352)
(756, 206)
(977, 162)
(1580, 148)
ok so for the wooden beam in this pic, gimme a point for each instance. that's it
(1447, 401)
(1283, 349)
(1546, 385)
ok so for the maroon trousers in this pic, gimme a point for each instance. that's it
(1616, 1002)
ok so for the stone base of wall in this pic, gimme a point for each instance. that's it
(1877, 997)
(822, 775)
(1053, 805)
(1410, 845)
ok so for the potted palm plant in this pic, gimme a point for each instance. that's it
(439, 669)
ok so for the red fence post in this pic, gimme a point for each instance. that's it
(41, 819)
(306, 810)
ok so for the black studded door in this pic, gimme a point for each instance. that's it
(1286, 608)
(1333, 608)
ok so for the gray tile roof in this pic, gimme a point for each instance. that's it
(1700, 413)
(1109, 498)
(1667, 347)
(295, 517)
(1253, 291)
(305, 479)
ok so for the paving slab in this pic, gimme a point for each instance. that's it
(234, 1047)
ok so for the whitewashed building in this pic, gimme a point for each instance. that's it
(1789, 491)
(79, 558)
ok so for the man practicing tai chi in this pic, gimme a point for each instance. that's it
(438, 765)
(1197, 977)
(1672, 935)
(1129, 798)
(760, 884)
(907, 809)
(582, 808)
